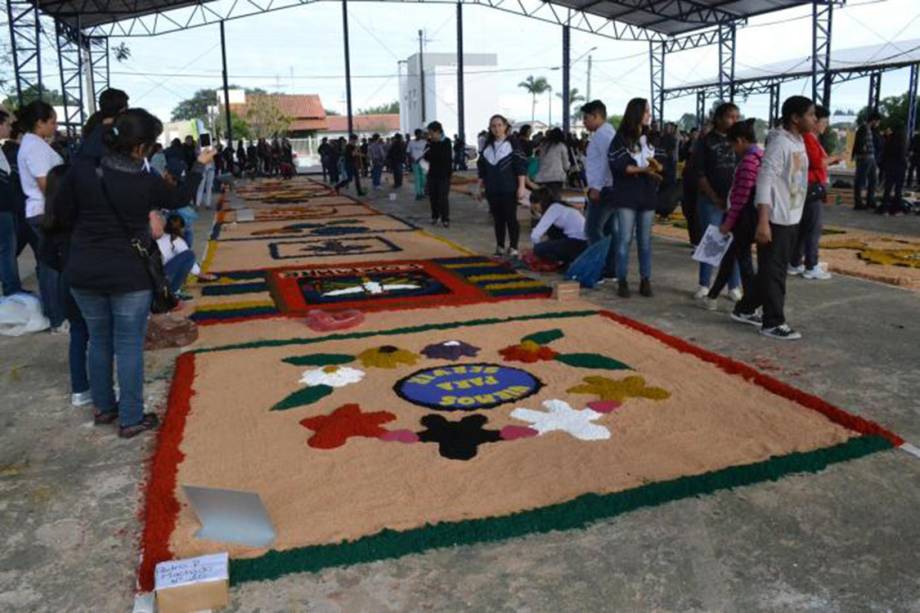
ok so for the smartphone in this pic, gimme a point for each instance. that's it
(204, 140)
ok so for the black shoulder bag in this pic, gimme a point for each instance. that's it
(163, 298)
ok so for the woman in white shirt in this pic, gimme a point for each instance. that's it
(38, 123)
(562, 225)
(178, 259)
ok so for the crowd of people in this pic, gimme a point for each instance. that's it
(106, 219)
(117, 201)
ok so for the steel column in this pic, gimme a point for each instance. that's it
(421, 73)
(821, 21)
(25, 31)
(700, 108)
(875, 90)
(656, 55)
(351, 124)
(461, 109)
(773, 113)
(566, 68)
(223, 59)
(70, 42)
(727, 62)
(912, 101)
(99, 63)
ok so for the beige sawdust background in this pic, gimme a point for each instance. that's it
(315, 496)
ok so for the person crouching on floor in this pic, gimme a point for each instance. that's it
(781, 189)
(178, 259)
(560, 224)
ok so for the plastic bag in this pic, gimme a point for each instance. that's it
(21, 314)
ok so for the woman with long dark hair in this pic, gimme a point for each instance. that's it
(633, 195)
(35, 159)
(502, 169)
(111, 207)
(554, 163)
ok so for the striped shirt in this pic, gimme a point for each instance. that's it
(743, 185)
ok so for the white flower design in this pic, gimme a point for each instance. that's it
(561, 416)
(333, 376)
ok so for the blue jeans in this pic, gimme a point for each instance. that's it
(376, 172)
(117, 324)
(49, 282)
(203, 197)
(709, 214)
(177, 269)
(79, 341)
(601, 222)
(9, 268)
(188, 215)
(631, 222)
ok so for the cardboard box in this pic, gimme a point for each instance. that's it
(195, 584)
(566, 290)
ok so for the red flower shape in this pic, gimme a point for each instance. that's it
(335, 429)
(527, 351)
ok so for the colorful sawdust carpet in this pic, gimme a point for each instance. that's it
(473, 425)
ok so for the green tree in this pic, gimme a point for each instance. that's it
(575, 100)
(265, 118)
(535, 87)
(893, 110)
(332, 113)
(196, 107)
(238, 124)
(51, 96)
(614, 120)
(381, 109)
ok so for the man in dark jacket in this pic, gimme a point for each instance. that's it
(865, 153)
(111, 103)
(439, 157)
(9, 269)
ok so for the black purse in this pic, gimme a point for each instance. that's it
(164, 300)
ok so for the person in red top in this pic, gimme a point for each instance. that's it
(806, 245)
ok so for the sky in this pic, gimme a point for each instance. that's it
(300, 50)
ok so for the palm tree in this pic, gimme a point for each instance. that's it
(574, 99)
(535, 87)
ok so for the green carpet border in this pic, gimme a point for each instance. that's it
(395, 331)
(577, 513)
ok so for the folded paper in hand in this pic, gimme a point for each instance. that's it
(712, 246)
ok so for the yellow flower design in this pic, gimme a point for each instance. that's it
(619, 390)
(387, 356)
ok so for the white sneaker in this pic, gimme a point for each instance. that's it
(710, 304)
(81, 399)
(735, 294)
(816, 273)
(796, 270)
(702, 292)
(752, 319)
(512, 253)
(64, 328)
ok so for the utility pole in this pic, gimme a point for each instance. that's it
(588, 88)
(421, 72)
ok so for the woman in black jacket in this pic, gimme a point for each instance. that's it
(396, 157)
(110, 211)
(635, 184)
(502, 170)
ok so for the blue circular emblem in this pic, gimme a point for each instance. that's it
(467, 387)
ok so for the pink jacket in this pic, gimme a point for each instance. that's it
(743, 184)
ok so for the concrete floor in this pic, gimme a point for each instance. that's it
(842, 540)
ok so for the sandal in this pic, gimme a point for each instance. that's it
(103, 419)
(149, 422)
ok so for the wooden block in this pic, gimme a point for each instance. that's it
(566, 290)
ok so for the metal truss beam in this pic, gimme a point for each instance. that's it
(656, 57)
(199, 15)
(688, 11)
(25, 30)
(774, 104)
(70, 46)
(98, 47)
(727, 36)
(875, 89)
(821, 21)
(912, 100)
(700, 109)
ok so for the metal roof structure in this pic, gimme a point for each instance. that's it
(84, 27)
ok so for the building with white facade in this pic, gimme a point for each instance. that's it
(440, 76)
